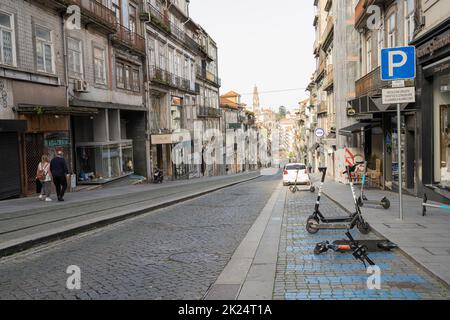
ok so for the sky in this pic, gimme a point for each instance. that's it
(262, 42)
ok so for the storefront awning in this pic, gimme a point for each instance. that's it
(371, 105)
(354, 128)
(57, 110)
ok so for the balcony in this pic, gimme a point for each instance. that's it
(322, 107)
(327, 35)
(95, 12)
(328, 5)
(321, 71)
(129, 39)
(316, 20)
(208, 112)
(328, 83)
(203, 74)
(331, 123)
(155, 17)
(163, 77)
(370, 84)
(316, 48)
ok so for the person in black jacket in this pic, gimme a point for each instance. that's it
(58, 168)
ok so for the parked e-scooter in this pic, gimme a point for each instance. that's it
(318, 221)
(385, 203)
(294, 188)
(358, 251)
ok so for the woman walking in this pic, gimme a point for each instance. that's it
(44, 176)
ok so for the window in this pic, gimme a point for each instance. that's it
(128, 77)
(75, 56)
(380, 43)
(409, 21)
(132, 18)
(151, 52)
(162, 55)
(391, 31)
(99, 66)
(44, 49)
(119, 75)
(368, 54)
(7, 44)
(116, 9)
(136, 80)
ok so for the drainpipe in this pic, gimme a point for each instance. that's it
(66, 83)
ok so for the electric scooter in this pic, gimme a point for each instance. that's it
(294, 188)
(385, 203)
(318, 221)
(358, 251)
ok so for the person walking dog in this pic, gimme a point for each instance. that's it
(58, 168)
(43, 174)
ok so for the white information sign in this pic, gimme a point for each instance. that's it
(399, 95)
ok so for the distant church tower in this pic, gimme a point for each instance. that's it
(256, 106)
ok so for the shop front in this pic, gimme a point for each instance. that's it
(433, 54)
(376, 134)
(11, 168)
(109, 145)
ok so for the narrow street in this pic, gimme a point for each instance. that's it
(179, 253)
(174, 253)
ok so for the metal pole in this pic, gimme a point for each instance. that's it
(399, 150)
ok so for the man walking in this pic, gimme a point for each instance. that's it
(58, 168)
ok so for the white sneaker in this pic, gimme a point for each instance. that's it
(48, 200)
(41, 197)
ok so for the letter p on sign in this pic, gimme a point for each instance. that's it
(398, 63)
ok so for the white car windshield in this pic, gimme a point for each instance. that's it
(296, 167)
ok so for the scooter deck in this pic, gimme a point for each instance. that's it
(372, 245)
(337, 219)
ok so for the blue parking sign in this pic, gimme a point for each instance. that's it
(398, 63)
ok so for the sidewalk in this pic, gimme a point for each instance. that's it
(276, 261)
(425, 239)
(27, 222)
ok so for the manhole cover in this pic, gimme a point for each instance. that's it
(194, 257)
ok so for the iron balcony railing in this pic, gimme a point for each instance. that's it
(208, 112)
(130, 38)
(167, 78)
(97, 12)
(204, 74)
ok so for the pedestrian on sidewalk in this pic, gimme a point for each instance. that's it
(58, 168)
(44, 175)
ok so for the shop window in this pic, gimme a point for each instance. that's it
(445, 144)
(103, 162)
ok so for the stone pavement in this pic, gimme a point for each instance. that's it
(27, 222)
(425, 239)
(172, 253)
(291, 271)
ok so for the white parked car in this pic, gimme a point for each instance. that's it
(290, 172)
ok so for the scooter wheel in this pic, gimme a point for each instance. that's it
(312, 189)
(386, 203)
(363, 227)
(310, 225)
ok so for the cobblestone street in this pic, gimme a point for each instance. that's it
(174, 253)
(302, 275)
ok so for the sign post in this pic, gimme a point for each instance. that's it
(398, 64)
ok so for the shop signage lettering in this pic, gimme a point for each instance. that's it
(434, 45)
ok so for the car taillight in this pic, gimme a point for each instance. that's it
(285, 172)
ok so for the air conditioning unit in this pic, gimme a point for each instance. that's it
(81, 85)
